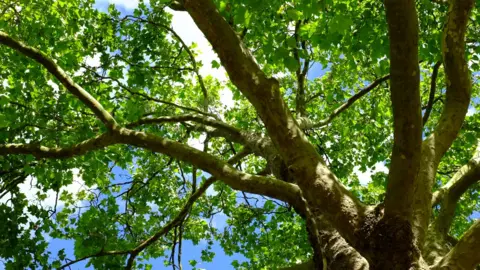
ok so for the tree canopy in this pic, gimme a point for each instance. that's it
(135, 154)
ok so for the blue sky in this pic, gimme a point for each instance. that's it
(189, 250)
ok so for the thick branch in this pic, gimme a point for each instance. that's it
(321, 188)
(405, 95)
(468, 175)
(177, 5)
(261, 146)
(438, 242)
(455, 108)
(60, 74)
(338, 253)
(465, 253)
(433, 87)
(98, 142)
(220, 169)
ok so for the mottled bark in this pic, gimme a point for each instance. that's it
(320, 187)
(461, 181)
(454, 111)
(465, 254)
(389, 238)
(220, 169)
(98, 142)
(437, 242)
(337, 252)
(464, 178)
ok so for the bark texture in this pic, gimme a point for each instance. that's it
(454, 111)
(405, 95)
(320, 187)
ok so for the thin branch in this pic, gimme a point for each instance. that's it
(183, 118)
(182, 214)
(135, 251)
(147, 97)
(174, 244)
(439, 98)
(187, 49)
(433, 86)
(347, 104)
(8, 187)
(180, 239)
(60, 74)
(300, 97)
(96, 255)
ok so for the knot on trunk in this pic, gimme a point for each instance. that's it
(389, 242)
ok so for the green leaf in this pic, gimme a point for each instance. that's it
(294, 14)
(340, 23)
(215, 64)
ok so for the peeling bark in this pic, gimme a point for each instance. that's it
(437, 242)
(338, 253)
(320, 187)
(454, 111)
(465, 177)
(464, 256)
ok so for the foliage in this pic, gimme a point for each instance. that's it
(144, 69)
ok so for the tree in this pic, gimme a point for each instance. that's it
(281, 161)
